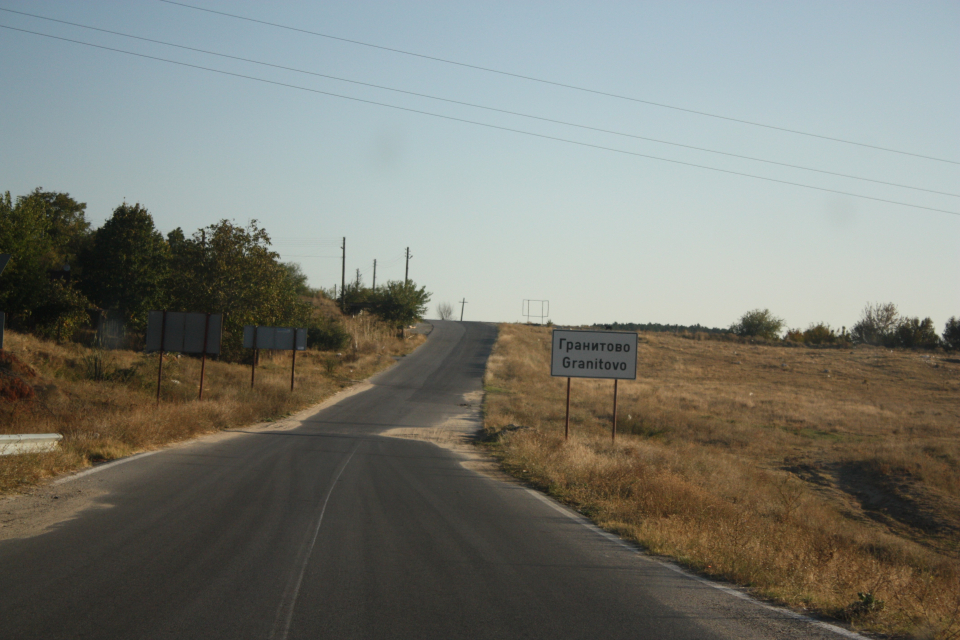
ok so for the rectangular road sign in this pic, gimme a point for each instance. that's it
(594, 354)
(183, 332)
(280, 338)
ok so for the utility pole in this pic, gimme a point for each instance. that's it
(406, 273)
(374, 274)
(343, 276)
(462, 305)
(358, 278)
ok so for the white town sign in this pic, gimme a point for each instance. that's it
(594, 354)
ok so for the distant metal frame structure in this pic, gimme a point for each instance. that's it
(528, 312)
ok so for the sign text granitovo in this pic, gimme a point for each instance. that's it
(594, 354)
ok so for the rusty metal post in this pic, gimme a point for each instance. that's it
(253, 366)
(615, 381)
(163, 335)
(566, 423)
(203, 356)
(293, 369)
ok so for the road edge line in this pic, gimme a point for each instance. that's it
(785, 611)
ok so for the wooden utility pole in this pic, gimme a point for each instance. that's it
(406, 273)
(462, 305)
(374, 274)
(343, 276)
(358, 278)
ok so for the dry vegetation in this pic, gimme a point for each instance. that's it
(825, 479)
(104, 402)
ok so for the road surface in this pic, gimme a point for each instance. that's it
(332, 530)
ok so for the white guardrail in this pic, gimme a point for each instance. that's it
(28, 443)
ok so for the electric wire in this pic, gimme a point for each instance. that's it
(564, 85)
(489, 108)
(481, 124)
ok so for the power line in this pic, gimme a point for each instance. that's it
(488, 108)
(561, 84)
(482, 124)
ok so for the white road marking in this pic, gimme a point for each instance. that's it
(104, 466)
(281, 625)
(728, 590)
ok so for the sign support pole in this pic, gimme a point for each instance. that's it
(566, 423)
(293, 369)
(615, 381)
(253, 365)
(163, 335)
(203, 356)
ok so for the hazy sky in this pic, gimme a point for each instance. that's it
(497, 216)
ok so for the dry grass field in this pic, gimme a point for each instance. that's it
(824, 479)
(104, 402)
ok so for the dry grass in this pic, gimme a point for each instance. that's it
(104, 402)
(824, 479)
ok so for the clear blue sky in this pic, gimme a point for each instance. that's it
(496, 216)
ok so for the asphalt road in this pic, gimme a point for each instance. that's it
(331, 530)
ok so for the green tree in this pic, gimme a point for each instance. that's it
(951, 334)
(297, 279)
(916, 333)
(67, 226)
(356, 298)
(759, 323)
(125, 266)
(399, 303)
(229, 269)
(39, 230)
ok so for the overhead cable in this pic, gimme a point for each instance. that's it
(564, 85)
(488, 108)
(481, 124)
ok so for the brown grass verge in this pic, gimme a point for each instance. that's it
(826, 480)
(104, 402)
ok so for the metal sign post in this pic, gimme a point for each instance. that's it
(203, 358)
(278, 339)
(614, 433)
(4, 259)
(256, 352)
(183, 333)
(528, 309)
(594, 354)
(163, 333)
(293, 368)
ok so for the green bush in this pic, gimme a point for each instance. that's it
(327, 334)
(759, 323)
(915, 333)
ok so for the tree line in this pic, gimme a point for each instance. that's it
(880, 324)
(63, 273)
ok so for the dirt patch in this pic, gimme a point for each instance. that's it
(458, 434)
(42, 508)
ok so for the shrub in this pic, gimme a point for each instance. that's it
(877, 325)
(13, 389)
(327, 334)
(61, 312)
(759, 323)
(820, 333)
